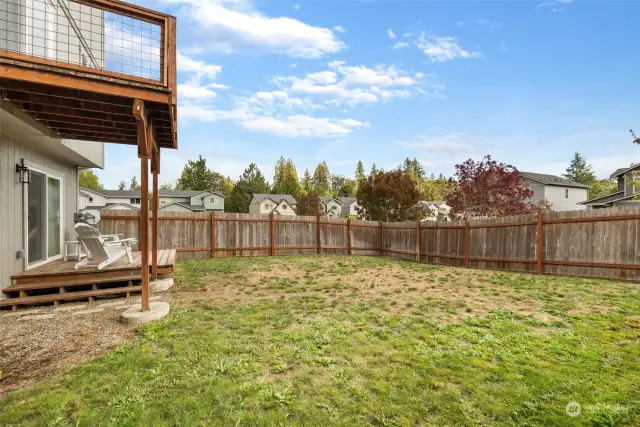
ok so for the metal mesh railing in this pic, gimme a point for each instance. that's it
(75, 33)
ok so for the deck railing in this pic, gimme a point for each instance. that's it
(103, 37)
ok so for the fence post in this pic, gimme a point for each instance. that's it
(213, 233)
(539, 247)
(318, 242)
(419, 242)
(467, 239)
(380, 237)
(272, 230)
(349, 236)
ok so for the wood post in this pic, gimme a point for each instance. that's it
(144, 231)
(419, 242)
(349, 236)
(467, 238)
(540, 244)
(318, 236)
(272, 233)
(154, 226)
(213, 233)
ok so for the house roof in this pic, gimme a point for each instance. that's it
(194, 208)
(595, 199)
(347, 200)
(111, 205)
(621, 171)
(327, 199)
(552, 180)
(137, 193)
(275, 197)
(113, 193)
(186, 193)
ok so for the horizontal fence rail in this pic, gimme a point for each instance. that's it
(598, 243)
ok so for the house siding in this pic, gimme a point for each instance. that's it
(559, 202)
(174, 208)
(538, 191)
(11, 194)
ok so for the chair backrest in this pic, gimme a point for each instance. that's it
(91, 240)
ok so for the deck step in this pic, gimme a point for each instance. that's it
(69, 282)
(67, 296)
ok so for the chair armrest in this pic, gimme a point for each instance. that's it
(120, 242)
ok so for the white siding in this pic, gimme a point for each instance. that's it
(334, 209)
(127, 200)
(557, 196)
(11, 194)
(169, 200)
(538, 191)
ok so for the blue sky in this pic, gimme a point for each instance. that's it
(442, 81)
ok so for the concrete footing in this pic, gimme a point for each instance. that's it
(157, 310)
(161, 285)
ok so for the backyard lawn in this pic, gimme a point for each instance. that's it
(336, 340)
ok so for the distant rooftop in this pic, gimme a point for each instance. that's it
(552, 180)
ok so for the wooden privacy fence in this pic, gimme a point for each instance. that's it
(595, 243)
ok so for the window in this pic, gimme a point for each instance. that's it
(212, 199)
(334, 207)
(91, 199)
(135, 201)
(566, 193)
(267, 206)
(284, 206)
(163, 202)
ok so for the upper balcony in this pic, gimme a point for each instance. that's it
(77, 67)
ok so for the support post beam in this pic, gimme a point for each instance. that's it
(155, 170)
(145, 137)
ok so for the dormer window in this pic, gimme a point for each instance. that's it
(284, 206)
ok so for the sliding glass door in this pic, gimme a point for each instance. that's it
(43, 218)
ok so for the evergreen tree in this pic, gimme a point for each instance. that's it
(122, 186)
(579, 171)
(307, 185)
(321, 180)
(250, 182)
(134, 184)
(360, 171)
(374, 170)
(285, 179)
(414, 169)
(88, 179)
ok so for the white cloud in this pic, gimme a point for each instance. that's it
(237, 23)
(453, 142)
(391, 34)
(487, 23)
(441, 49)
(555, 4)
(201, 68)
(400, 45)
(339, 29)
(199, 85)
(297, 7)
(292, 65)
(460, 24)
(406, 35)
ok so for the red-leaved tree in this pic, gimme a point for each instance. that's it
(489, 189)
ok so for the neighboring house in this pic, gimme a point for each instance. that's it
(37, 213)
(190, 201)
(437, 211)
(278, 204)
(627, 193)
(91, 199)
(349, 206)
(170, 200)
(331, 206)
(563, 194)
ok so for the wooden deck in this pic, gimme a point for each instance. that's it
(60, 281)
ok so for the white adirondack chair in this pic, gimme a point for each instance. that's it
(101, 250)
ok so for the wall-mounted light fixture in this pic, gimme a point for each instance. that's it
(24, 174)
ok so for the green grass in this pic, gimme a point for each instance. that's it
(318, 360)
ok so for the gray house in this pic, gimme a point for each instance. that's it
(562, 193)
(190, 201)
(39, 190)
(627, 192)
(278, 204)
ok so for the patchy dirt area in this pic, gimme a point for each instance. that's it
(36, 343)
